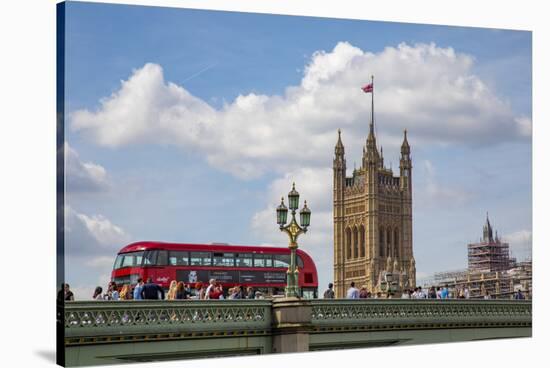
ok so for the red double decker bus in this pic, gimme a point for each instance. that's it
(263, 268)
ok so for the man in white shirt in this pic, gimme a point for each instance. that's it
(421, 293)
(353, 292)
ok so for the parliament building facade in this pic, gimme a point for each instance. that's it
(373, 221)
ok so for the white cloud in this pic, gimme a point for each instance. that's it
(525, 125)
(83, 176)
(434, 194)
(91, 245)
(101, 262)
(92, 234)
(432, 91)
(520, 243)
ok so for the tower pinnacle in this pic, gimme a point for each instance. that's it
(405, 148)
(339, 148)
(487, 231)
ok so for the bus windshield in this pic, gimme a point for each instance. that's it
(132, 259)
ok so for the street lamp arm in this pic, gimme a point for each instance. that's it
(293, 230)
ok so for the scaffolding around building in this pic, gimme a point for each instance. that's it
(491, 271)
(489, 256)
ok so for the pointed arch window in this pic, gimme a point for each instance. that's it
(355, 242)
(396, 242)
(348, 242)
(362, 241)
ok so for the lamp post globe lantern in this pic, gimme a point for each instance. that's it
(282, 213)
(293, 230)
(305, 216)
(389, 279)
(293, 198)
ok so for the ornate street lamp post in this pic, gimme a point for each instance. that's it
(293, 230)
(389, 280)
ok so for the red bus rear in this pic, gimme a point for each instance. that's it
(263, 268)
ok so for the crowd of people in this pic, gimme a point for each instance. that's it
(177, 290)
(417, 293)
(214, 290)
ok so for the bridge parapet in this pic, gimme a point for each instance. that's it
(107, 332)
(402, 314)
(101, 321)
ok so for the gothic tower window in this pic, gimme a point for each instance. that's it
(362, 240)
(348, 243)
(396, 242)
(355, 243)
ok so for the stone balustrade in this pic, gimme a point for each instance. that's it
(106, 332)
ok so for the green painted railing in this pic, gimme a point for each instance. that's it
(86, 321)
(97, 322)
(392, 314)
(108, 332)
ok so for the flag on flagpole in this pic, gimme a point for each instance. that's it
(368, 88)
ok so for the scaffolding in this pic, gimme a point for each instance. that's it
(491, 271)
(489, 256)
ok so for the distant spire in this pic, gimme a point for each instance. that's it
(487, 230)
(339, 149)
(405, 148)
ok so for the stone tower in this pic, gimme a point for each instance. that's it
(372, 219)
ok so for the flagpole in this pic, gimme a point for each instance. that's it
(372, 99)
(372, 104)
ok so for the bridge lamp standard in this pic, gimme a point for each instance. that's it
(293, 230)
(386, 284)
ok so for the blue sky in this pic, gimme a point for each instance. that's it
(219, 112)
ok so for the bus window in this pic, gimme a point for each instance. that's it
(224, 259)
(178, 258)
(150, 257)
(128, 260)
(162, 258)
(244, 260)
(200, 259)
(118, 261)
(263, 260)
(281, 260)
